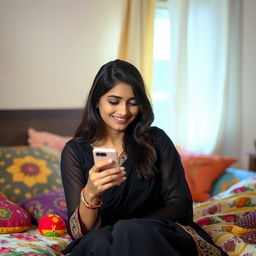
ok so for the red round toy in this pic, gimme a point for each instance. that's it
(52, 225)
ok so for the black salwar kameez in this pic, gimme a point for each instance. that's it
(139, 217)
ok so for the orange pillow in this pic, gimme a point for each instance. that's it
(202, 171)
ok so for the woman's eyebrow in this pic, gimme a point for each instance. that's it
(118, 97)
(114, 96)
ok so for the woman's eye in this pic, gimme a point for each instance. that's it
(133, 104)
(113, 102)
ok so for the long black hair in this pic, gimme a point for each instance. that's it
(137, 141)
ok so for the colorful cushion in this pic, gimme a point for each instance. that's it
(51, 202)
(46, 139)
(27, 171)
(202, 171)
(228, 178)
(12, 217)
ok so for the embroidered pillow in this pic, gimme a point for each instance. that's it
(12, 217)
(51, 202)
(202, 171)
(27, 171)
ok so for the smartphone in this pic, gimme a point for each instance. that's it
(103, 154)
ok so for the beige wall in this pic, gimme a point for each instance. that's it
(50, 50)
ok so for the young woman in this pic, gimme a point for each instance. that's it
(142, 207)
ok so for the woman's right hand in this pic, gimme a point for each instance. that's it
(102, 177)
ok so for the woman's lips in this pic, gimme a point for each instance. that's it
(120, 119)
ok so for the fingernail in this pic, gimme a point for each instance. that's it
(110, 160)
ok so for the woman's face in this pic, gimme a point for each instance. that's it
(118, 107)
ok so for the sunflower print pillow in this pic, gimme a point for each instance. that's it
(27, 171)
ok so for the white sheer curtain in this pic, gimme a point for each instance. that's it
(205, 75)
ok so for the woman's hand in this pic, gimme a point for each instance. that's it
(102, 177)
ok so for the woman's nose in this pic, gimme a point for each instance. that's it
(123, 110)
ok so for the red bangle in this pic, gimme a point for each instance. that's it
(87, 205)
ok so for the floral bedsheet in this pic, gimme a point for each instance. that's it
(31, 243)
(220, 214)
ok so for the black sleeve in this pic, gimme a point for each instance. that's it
(73, 175)
(174, 189)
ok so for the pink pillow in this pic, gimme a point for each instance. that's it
(13, 218)
(46, 139)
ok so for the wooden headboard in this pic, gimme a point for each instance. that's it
(15, 123)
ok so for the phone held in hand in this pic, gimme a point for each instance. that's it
(104, 154)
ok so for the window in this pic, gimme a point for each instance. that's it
(161, 87)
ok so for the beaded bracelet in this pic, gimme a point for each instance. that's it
(87, 205)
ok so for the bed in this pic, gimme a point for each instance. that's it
(30, 186)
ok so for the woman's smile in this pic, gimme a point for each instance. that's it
(120, 119)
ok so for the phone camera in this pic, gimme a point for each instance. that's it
(101, 154)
